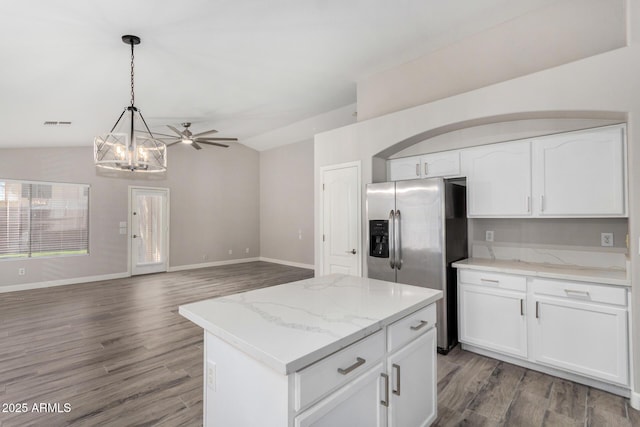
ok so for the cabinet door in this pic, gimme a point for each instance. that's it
(357, 404)
(404, 168)
(493, 319)
(584, 338)
(413, 378)
(580, 174)
(498, 180)
(440, 164)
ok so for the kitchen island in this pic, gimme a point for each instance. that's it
(335, 350)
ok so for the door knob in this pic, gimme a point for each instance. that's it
(352, 251)
(135, 235)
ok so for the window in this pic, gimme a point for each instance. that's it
(43, 219)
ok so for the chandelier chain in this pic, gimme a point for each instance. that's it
(132, 93)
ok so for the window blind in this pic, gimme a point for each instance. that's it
(43, 219)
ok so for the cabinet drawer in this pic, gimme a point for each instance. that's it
(406, 329)
(325, 375)
(498, 280)
(580, 291)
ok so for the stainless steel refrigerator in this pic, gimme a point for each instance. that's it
(415, 230)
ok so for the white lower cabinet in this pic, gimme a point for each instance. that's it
(413, 378)
(581, 336)
(355, 405)
(574, 327)
(400, 391)
(493, 318)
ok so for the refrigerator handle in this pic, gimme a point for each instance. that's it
(398, 242)
(392, 236)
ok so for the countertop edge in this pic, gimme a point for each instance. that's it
(530, 270)
(287, 368)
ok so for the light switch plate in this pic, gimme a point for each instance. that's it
(123, 224)
(606, 239)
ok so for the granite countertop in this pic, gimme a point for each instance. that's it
(551, 271)
(293, 325)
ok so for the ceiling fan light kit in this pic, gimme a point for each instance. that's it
(125, 149)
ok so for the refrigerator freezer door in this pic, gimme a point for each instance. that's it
(421, 212)
(380, 204)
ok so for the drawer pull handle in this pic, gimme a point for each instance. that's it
(577, 293)
(385, 401)
(397, 389)
(422, 324)
(537, 309)
(521, 307)
(490, 281)
(359, 362)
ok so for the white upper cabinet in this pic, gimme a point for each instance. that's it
(580, 173)
(498, 179)
(446, 163)
(403, 168)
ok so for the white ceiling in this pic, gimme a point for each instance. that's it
(244, 67)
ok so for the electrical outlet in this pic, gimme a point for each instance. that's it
(299, 234)
(606, 239)
(488, 236)
(21, 272)
(123, 224)
(230, 252)
(246, 250)
(211, 375)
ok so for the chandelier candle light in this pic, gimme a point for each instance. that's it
(119, 150)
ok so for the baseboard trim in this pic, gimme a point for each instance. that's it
(289, 263)
(635, 400)
(62, 282)
(211, 264)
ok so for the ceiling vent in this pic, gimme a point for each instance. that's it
(56, 123)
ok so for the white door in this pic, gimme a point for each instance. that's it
(358, 404)
(580, 173)
(584, 338)
(413, 378)
(493, 319)
(149, 218)
(498, 179)
(341, 219)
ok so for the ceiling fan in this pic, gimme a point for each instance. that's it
(186, 137)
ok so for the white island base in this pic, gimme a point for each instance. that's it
(328, 351)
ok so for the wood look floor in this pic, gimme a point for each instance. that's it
(120, 354)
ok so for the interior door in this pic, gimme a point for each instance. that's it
(149, 218)
(341, 219)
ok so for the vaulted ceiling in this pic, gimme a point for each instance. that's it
(244, 67)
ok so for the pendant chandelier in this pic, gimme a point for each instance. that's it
(125, 148)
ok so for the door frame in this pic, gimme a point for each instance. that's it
(323, 169)
(129, 225)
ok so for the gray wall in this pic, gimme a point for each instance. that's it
(214, 208)
(286, 203)
(579, 232)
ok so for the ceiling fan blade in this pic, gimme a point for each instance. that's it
(175, 130)
(213, 143)
(173, 143)
(216, 139)
(195, 145)
(206, 133)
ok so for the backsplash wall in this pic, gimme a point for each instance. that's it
(566, 241)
